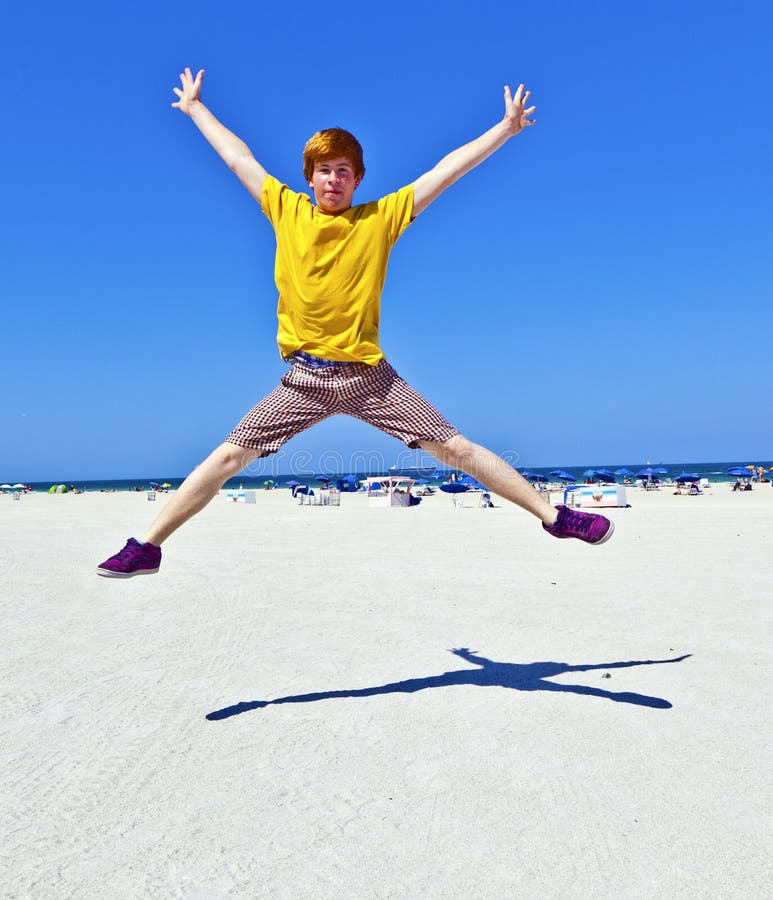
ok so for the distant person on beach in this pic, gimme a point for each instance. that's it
(331, 263)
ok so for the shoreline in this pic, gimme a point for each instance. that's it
(130, 485)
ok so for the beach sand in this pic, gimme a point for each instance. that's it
(139, 758)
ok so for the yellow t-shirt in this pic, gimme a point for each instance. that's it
(330, 271)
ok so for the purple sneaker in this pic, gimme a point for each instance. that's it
(134, 559)
(589, 527)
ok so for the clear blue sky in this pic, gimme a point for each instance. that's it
(599, 290)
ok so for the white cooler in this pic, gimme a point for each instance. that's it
(597, 495)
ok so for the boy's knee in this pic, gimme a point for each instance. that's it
(233, 457)
(457, 447)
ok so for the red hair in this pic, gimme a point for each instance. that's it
(330, 144)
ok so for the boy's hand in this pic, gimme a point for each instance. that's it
(191, 90)
(515, 115)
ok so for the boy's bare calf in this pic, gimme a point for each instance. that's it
(493, 471)
(198, 489)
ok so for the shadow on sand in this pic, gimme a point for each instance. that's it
(518, 676)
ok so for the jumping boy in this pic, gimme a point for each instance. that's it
(331, 262)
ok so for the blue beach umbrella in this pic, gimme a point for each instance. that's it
(472, 483)
(561, 475)
(347, 484)
(623, 471)
(661, 471)
(687, 476)
(534, 476)
(292, 483)
(738, 472)
(605, 474)
(454, 487)
(589, 473)
(646, 473)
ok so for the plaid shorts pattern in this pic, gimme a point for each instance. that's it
(306, 395)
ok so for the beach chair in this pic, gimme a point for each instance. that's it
(324, 498)
(569, 495)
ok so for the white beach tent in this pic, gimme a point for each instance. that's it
(389, 490)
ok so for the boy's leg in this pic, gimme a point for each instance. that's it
(298, 402)
(460, 453)
(198, 489)
(496, 474)
(144, 558)
(383, 399)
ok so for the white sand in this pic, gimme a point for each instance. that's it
(116, 785)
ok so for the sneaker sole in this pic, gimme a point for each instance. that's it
(603, 540)
(107, 573)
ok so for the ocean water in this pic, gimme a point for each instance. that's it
(714, 471)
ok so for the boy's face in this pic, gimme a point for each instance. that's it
(334, 183)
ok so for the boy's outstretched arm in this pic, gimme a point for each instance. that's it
(451, 168)
(236, 154)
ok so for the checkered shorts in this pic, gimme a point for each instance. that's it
(306, 395)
